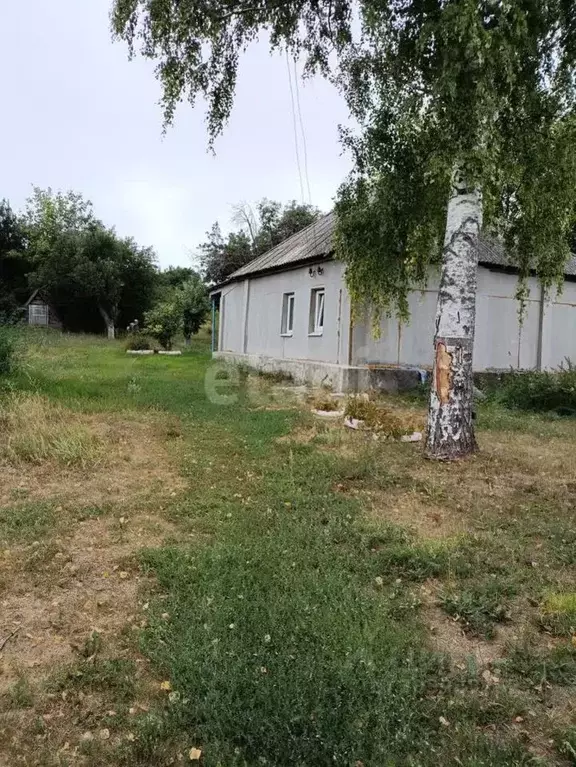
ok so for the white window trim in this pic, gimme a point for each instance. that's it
(287, 331)
(317, 305)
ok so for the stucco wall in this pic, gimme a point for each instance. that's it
(560, 318)
(231, 307)
(252, 314)
(501, 341)
(253, 326)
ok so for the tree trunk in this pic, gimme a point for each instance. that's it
(450, 433)
(109, 323)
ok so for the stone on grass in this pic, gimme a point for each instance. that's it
(414, 437)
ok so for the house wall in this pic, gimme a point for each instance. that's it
(251, 315)
(560, 328)
(501, 340)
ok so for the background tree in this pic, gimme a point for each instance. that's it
(175, 276)
(140, 277)
(220, 257)
(91, 275)
(259, 232)
(467, 115)
(277, 222)
(50, 214)
(14, 264)
(192, 299)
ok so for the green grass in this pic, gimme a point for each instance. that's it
(26, 522)
(290, 625)
(535, 668)
(21, 695)
(478, 608)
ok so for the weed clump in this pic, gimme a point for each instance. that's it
(558, 614)
(543, 391)
(391, 422)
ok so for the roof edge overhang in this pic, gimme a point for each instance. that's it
(330, 256)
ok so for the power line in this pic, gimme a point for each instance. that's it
(295, 127)
(303, 132)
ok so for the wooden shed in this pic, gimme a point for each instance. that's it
(39, 311)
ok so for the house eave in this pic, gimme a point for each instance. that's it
(273, 270)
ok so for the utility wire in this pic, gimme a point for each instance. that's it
(295, 127)
(298, 109)
(302, 131)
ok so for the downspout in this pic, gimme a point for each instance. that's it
(339, 333)
(213, 342)
(350, 336)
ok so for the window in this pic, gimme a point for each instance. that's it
(316, 312)
(287, 314)
(38, 314)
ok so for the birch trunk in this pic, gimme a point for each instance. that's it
(450, 433)
(109, 324)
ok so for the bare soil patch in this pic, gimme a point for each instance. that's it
(133, 461)
(79, 581)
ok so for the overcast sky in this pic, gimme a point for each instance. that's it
(76, 114)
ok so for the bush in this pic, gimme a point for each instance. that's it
(7, 352)
(137, 342)
(163, 322)
(541, 391)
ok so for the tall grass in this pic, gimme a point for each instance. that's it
(34, 430)
(7, 351)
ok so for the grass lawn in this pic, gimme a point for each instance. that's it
(228, 580)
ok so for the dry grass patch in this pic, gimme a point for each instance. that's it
(76, 614)
(385, 416)
(51, 452)
(34, 430)
(81, 495)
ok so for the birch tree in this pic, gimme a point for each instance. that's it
(467, 120)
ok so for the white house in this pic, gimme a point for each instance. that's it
(289, 310)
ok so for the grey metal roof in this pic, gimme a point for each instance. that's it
(492, 253)
(317, 241)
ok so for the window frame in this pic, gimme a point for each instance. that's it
(288, 313)
(317, 311)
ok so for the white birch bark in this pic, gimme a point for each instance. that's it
(109, 324)
(450, 433)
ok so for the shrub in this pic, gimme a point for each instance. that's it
(137, 342)
(7, 352)
(541, 391)
(163, 322)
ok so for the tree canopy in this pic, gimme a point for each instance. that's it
(93, 276)
(485, 85)
(258, 232)
(14, 265)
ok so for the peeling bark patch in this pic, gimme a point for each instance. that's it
(443, 373)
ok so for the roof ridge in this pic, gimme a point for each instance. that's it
(301, 247)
